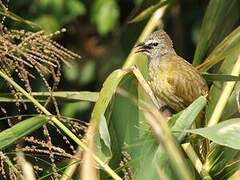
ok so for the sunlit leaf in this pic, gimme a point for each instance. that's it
(229, 46)
(148, 12)
(187, 117)
(21, 129)
(225, 133)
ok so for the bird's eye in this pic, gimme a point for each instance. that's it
(155, 44)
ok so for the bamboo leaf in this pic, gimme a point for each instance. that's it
(108, 90)
(148, 11)
(21, 129)
(229, 46)
(106, 93)
(225, 133)
(218, 11)
(220, 77)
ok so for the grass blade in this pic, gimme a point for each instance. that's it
(21, 129)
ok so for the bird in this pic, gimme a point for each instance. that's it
(172, 79)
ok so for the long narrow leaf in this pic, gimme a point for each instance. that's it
(148, 11)
(66, 95)
(187, 117)
(220, 77)
(230, 45)
(225, 133)
(21, 129)
(218, 11)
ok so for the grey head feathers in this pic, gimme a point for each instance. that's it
(156, 45)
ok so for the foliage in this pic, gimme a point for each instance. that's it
(127, 137)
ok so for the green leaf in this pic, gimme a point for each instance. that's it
(187, 117)
(103, 144)
(148, 12)
(232, 106)
(124, 121)
(103, 131)
(216, 88)
(225, 133)
(66, 95)
(229, 46)
(218, 11)
(105, 14)
(21, 129)
(184, 121)
(108, 90)
(220, 77)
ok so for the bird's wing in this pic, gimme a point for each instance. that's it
(186, 80)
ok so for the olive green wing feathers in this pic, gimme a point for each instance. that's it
(186, 81)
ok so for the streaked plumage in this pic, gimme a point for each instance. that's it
(172, 79)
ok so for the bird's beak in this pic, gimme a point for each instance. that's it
(141, 47)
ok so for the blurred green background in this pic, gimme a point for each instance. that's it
(100, 32)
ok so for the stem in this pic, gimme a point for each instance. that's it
(227, 90)
(195, 160)
(59, 125)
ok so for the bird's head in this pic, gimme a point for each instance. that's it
(156, 45)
